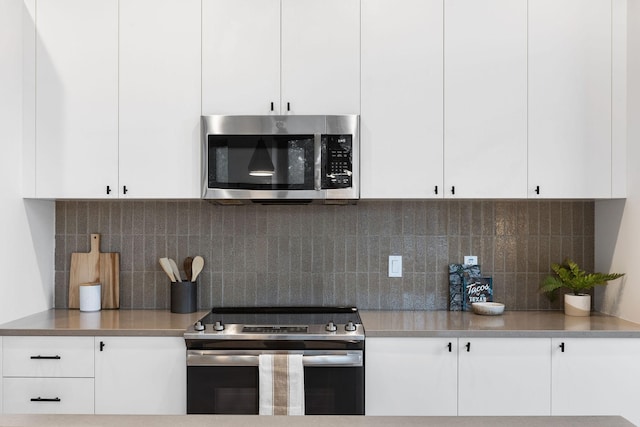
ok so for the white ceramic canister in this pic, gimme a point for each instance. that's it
(90, 294)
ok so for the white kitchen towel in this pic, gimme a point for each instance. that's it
(281, 384)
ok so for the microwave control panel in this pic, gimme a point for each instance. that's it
(337, 164)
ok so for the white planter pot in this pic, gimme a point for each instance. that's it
(577, 305)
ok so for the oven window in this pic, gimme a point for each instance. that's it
(222, 390)
(261, 162)
(234, 390)
(334, 391)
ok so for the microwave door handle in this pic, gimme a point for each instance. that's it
(317, 162)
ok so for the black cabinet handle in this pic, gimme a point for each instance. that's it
(450, 346)
(46, 357)
(40, 399)
(561, 347)
(288, 107)
(272, 106)
(537, 190)
(468, 345)
(435, 190)
(453, 189)
(124, 189)
(102, 344)
(108, 190)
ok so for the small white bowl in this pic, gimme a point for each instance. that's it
(488, 308)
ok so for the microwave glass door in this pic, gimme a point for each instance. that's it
(233, 158)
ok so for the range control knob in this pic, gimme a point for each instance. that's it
(218, 326)
(331, 327)
(198, 326)
(350, 326)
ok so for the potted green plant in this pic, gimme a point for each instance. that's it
(569, 275)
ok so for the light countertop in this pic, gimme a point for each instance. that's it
(377, 324)
(105, 322)
(509, 324)
(307, 421)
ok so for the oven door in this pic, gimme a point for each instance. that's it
(226, 382)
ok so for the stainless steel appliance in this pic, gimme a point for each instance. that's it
(281, 159)
(223, 350)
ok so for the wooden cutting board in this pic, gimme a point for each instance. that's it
(95, 266)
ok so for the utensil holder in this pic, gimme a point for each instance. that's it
(184, 297)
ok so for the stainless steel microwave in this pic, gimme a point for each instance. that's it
(281, 159)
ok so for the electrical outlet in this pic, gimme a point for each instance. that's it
(395, 265)
(471, 260)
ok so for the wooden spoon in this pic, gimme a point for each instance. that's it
(166, 266)
(187, 267)
(174, 267)
(197, 265)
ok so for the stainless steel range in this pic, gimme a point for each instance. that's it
(223, 350)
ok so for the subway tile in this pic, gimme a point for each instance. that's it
(327, 254)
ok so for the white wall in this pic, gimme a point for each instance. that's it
(618, 222)
(27, 227)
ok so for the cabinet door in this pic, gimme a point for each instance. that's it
(485, 98)
(504, 376)
(411, 376)
(402, 113)
(141, 375)
(159, 98)
(240, 56)
(596, 376)
(570, 98)
(77, 98)
(321, 56)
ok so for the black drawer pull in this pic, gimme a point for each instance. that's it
(40, 399)
(561, 347)
(468, 345)
(450, 347)
(46, 357)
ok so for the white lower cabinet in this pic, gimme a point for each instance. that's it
(451, 376)
(596, 376)
(411, 376)
(140, 375)
(47, 375)
(504, 376)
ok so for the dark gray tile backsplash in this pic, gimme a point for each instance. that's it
(315, 255)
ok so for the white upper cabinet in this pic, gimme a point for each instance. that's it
(402, 95)
(570, 81)
(280, 57)
(485, 98)
(240, 56)
(159, 98)
(118, 99)
(76, 98)
(320, 56)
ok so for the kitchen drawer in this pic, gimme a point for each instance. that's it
(48, 357)
(66, 395)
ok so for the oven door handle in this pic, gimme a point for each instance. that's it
(204, 358)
